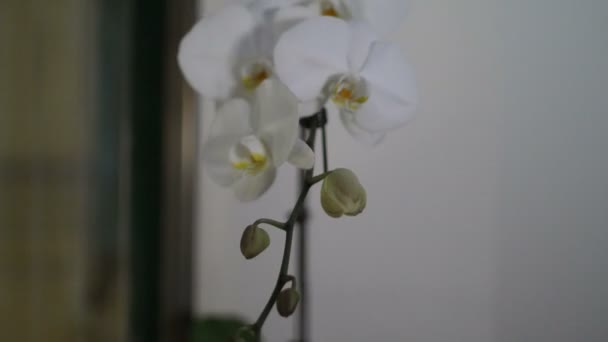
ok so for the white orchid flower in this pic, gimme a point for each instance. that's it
(344, 62)
(248, 142)
(229, 53)
(383, 16)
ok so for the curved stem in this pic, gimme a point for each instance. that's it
(283, 277)
(324, 144)
(276, 224)
(316, 179)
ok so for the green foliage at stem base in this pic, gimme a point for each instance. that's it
(220, 329)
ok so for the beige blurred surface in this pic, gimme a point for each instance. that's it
(486, 217)
(45, 129)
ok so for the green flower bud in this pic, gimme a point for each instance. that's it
(287, 302)
(254, 241)
(244, 334)
(342, 194)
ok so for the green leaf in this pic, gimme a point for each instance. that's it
(219, 329)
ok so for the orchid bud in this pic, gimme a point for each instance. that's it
(342, 194)
(287, 301)
(243, 334)
(254, 241)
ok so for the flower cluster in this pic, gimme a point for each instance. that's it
(275, 65)
(269, 62)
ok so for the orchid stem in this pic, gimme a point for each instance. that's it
(312, 123)
(316, 179)
(324, 146)
(276, 224)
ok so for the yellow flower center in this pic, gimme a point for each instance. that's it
(251, 82)
(344, 95)
(327, 9)
(349, 93)
(249, 155)
(254, 75)
(253, 165)
(329, 12)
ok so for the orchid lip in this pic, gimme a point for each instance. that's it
(328, 9)
(249, 155)
(349, 92)
(335, 9)
(254, 73)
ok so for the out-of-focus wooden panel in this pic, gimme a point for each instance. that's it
(45, 128)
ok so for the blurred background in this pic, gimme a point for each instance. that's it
(96, 170)
(487, 216)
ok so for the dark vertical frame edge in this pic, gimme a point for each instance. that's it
(180, 163)
(163, 128)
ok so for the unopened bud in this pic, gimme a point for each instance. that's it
(287, 302)
(342, 194)
(244, 334)
(254, 241)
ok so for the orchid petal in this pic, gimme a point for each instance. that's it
(286, 18)
(384, 16)
(392, 90)
(308, 54)
(276, 118)
(361, 40)
(302, 156)
(361, 135)
(208, 52)
(216, 160)
(232, 118)
(259, 44)
(230, 124)
(251, 187)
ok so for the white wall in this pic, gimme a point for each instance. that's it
(487, 217)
